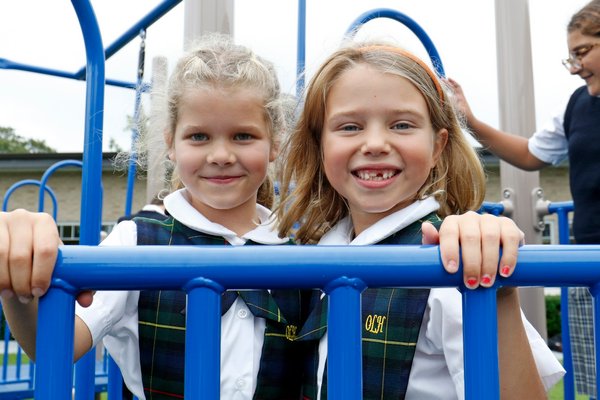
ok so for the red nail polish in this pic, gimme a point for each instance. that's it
(486, 280)
(471, 282)
(505, 271)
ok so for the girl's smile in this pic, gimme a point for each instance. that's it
(378, 143)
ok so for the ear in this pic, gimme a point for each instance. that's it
(168, 136)
(439, 144)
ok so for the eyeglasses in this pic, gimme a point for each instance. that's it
(574, 60)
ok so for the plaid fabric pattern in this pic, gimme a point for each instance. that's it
(581, 328)
(162, 325)
(391, 319)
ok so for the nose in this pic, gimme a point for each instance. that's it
(221, 154)
(376, 142)
(576, 68)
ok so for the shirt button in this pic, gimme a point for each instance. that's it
(240, 383)
(242, 313)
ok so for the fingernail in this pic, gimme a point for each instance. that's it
(37, 292)
(486, 280)
(472, 283)
(7, 293)
(505, 271)
(452, 266)
(25, 299)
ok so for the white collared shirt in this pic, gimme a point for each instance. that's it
(437, 370)
(113, 316)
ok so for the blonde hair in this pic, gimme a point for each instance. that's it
(215, 61)
(457, 181)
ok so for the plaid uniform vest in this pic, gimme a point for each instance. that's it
(162, 325)
(391, 320)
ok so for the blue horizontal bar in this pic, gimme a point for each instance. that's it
(109, 268)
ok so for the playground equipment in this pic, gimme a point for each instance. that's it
(204, 292)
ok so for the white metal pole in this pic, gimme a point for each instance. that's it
(517, 115)
(201, 16)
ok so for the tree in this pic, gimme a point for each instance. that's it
(10, 142)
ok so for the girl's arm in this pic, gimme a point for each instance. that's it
(480, 237)
(28, 250)
(513, 149)
(519, 377)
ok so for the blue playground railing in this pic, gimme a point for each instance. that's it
(342, 271)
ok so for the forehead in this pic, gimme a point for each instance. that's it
(364, 82)
(576, 39)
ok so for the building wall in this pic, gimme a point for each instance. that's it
(553, 180)
(67, 188)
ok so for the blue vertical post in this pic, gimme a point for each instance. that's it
(54, 349)
(203, 340)
(595, 290)
(91, 200)
(480, 330)
(131, 173)
(301, 48)
(562, 209)
(344, 347)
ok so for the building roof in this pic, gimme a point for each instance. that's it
(42, 161)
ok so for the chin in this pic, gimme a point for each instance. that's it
(594, 90)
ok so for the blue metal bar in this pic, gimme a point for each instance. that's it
(91, 267)
(26, 182)
(492, 208)
(91, 202)
(411, 24)
(203, 340)
(131, 173)
(8, 64)
(54, 349)
(48, 173)
(154, 15)
(154, 267)
(301, 49)
(115, 381)
(478, 321)
(344, 368)
(562, 209)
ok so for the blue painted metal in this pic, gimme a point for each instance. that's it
(131, 173)
(203, 340)
(562, 209)
(48, 173)
(344, 331)
(54, 367)
(33, 182)
(153, 267)
(91, 200)
(123, 40)
(301, 49)
(481, 347)
(154, 15)
(411, 24)
(492, 208)
(8, 64)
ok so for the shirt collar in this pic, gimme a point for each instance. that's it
(342, 232)
(179, 208)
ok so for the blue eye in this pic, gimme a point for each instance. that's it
(350, 128)
(199, 137)
(401, 126)
(243, 136)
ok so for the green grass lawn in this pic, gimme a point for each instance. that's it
(557, 393)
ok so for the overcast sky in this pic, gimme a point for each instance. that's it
(46, 33)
